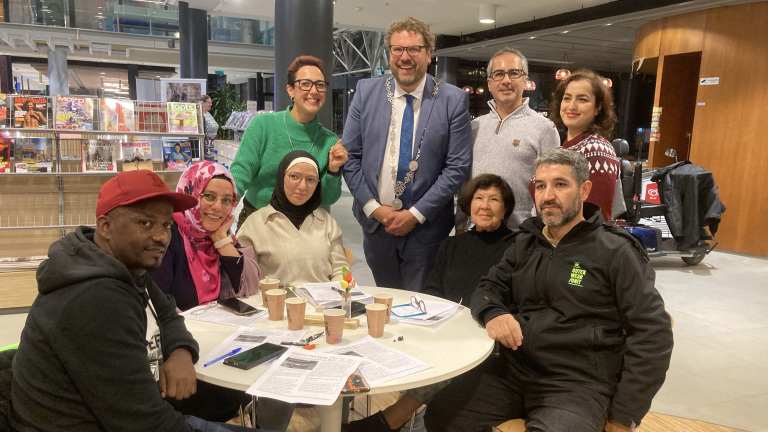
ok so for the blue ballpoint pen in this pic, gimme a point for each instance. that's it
(220, 358)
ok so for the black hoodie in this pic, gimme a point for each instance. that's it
(82, 361)
(588, 309)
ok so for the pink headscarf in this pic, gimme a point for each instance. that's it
(202, 256)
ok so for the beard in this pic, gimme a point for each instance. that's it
(567, 214)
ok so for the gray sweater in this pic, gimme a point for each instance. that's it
(508, 147)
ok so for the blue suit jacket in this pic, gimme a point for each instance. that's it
(446, 152)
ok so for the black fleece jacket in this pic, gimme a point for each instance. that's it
(588, 309)
(82, 361)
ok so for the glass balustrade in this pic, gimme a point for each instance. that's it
(151, 17)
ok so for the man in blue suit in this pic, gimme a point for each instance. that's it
(410, 148)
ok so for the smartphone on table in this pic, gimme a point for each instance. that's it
(255, 356)
(238, 306)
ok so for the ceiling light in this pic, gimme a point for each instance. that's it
(487, 13)
(562, 74)
(607, 82)
(468, 89)
(529, 85)
(480, 90)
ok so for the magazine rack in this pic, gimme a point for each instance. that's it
(51, 177)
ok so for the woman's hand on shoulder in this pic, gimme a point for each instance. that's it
(337, 156)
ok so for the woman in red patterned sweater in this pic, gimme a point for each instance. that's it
(583, 105)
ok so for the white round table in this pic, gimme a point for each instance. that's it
(452, 348)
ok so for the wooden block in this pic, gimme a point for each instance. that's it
(317, 320)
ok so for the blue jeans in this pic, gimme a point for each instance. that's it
(206, 426)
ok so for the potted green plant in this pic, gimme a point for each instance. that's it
(225, 101)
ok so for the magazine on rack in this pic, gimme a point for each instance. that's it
(30, 112)
(98, 156)
(116, 115)
(74, 113)
(5, 155)
(151, 117)
(33, 155)
(177, 154)
(137, 155)
(182, 117)
(3, 110)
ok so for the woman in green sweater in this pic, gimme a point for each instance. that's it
(269, 137)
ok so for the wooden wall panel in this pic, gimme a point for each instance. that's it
(729, 130)
(647, 40)
(730, 118)
(683, 34)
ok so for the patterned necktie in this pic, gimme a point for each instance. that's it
(406, 149)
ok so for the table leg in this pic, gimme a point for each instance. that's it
(330, 417)
(254, 401)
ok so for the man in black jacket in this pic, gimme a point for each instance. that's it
(103, 348)
(586, 340)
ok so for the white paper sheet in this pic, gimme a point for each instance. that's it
(301, 376)
(221, 315)
(380, 363)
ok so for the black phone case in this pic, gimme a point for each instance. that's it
(230, 361)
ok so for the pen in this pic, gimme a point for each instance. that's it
(220, 358)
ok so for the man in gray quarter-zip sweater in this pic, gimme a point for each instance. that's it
(509, 138)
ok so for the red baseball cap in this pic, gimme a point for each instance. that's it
(129, 187)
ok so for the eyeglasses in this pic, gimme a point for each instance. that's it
(514, 74)
(295, 179)
(306, 85)
(413, 51)
(211, 198)
(418, 303)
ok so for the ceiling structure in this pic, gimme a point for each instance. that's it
(604, 43)
(597, 34)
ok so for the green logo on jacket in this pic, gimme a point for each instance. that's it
(577, 274)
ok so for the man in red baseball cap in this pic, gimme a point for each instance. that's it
(103, 347)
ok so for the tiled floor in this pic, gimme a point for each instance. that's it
(719, 371)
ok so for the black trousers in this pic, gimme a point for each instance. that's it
(495, 392)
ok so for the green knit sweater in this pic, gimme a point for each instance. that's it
(265, 143)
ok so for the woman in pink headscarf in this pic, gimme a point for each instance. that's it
(204, 262)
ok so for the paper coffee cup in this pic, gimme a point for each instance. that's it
(276, 304)
(266, 285)
(334, 325)
(376, 313)
(295, 307)
(385, 299)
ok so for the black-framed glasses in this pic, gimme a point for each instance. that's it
(306, 85)
(514, 74)
(211, 198)
(418, 303)
(295, 179)
(413, 51)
